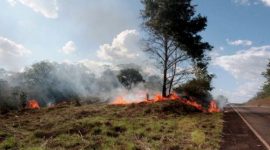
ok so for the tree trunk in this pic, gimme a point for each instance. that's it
(164, 87)
(165, 69)
(171, 82)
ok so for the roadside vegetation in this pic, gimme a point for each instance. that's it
(75, 111)
(262, 98)
(163, 125)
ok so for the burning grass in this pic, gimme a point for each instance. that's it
(161, 125)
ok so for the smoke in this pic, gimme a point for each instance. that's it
(222, 101)
(50, 82)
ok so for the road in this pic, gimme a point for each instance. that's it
(259, 120)
(246, 128)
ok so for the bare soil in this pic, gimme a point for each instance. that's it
(259, 102)
(237, 135)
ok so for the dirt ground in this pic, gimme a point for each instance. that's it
(237, 135)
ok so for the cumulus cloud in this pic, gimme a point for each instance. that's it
(125, 51)
(246, 67)
(11, 53)
(69, 48)
(48, 8)
(248, 63)
(240, 42)
(124, 48)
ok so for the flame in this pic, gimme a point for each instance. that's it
(33, 104)
(213, 107)
(158, 97)
(192, 103)
(173, 97)
(120, 101)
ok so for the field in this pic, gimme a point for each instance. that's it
(166, 125)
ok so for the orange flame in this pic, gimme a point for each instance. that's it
(33, 104)
(174, 96)
(213, 107)
(120, 101)
(158, 98)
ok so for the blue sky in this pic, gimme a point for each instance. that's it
(99, 32)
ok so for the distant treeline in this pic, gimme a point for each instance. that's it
(265, 90)
(50, 82)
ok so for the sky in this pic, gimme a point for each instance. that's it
(108, 32)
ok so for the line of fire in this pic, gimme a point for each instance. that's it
(212, 108)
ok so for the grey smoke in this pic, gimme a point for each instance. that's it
(222, 101)
(50, 82)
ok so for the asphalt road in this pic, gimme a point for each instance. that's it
(259, 120)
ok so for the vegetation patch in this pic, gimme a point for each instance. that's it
(137, 126)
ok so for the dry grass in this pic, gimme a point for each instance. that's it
(167, 125)
(259, 102)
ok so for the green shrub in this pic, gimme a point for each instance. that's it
(9, 143)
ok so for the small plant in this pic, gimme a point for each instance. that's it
(9, 143)
(198, 137)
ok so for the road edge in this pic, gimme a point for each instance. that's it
(252, 129)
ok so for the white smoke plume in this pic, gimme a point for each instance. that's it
(50, 82)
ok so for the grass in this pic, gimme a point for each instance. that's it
(259, 102)
(167, 125)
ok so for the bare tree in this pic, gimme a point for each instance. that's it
(171, 58)
(173, 39)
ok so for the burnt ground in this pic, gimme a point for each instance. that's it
(237, 135)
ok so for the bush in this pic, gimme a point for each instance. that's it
(197, 88)
(9, 143)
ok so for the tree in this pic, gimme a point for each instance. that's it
(173, 31)
(266, 74)
(129, 77)
(265, 91)
(200, 86)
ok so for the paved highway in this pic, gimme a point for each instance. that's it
(258, 119)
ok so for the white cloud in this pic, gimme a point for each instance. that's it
(124, 48)
(12, 2)
(48, 8)
(240, 42)
(248, 63)
(11, 53)
(97, 66)
(8, 47)
(266, 2)
(246, 67)
(242, 2)
(254, 2)
(69, 48)
(242, 93)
